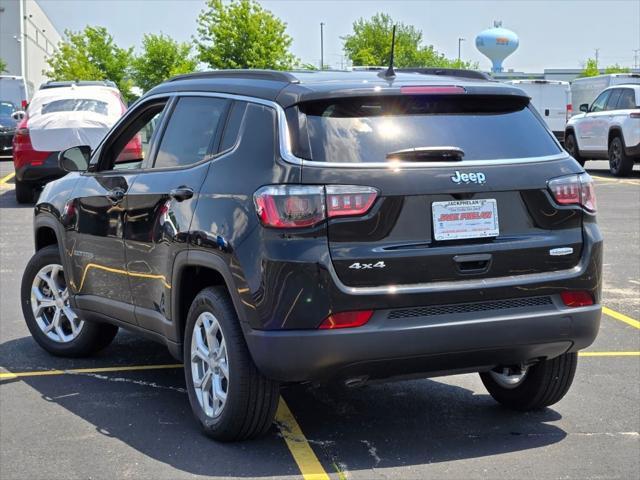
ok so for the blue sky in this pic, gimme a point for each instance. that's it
(553, 34)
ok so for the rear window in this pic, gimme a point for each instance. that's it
(356, 130)
(76, 105)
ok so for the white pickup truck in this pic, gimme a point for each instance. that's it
(608, 128)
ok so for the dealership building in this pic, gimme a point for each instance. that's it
(27, 39)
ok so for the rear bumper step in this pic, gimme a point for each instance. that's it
(425, 345)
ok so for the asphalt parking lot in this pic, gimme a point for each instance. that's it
(125, 414)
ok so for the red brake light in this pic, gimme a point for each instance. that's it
(576, 299)
(574, 190)
(299, 206)
(24, 104)
(344, 200)
(569, 112)
(346, 319)
(432, 90)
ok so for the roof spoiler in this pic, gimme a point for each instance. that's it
(254, 74)
(449, 72)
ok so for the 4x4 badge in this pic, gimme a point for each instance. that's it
(366, 266)
(473, 177)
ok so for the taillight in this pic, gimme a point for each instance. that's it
(574, 190)
(569, 112)
(575, 299)
(634, 115)
(345, 200)
(24, 105)
(299, 206)
(346, 319)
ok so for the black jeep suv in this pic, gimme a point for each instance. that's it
(350, 226)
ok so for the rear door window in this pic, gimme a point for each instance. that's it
(612, 102)
(627, 99)
(368, 129)
(192, 131)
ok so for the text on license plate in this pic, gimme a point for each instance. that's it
(459, 219)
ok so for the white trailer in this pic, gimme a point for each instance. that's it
(585, 90)
(552, 100)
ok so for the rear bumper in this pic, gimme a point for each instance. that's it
(40, 174)
(424, 346)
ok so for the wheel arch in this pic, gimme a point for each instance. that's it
(48, 231)
(192, 272)
(615, 131)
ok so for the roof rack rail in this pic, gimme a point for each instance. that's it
(448, 72)
(78, 83)
(274, 75)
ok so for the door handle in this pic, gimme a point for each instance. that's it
(181, 193)
(116, 195)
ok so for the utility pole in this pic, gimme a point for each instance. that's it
(321, 45)
(460, 40)
(597, 52)
(636, 53)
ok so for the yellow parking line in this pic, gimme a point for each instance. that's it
(6, 178)
(130, 368)
(609, 354)
(299, 447)
(621, 317)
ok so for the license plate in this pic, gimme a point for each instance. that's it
(460, 219)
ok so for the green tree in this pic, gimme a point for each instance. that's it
(3, 66)
(161, 58)
(241, 34)
(370, 44)
(91, 54)
(590, 68)
(616, 69)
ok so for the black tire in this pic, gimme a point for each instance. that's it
(24, 192)
(93, 336)
(252, 399)
(571, 146)
(545, 384)
(620, 164)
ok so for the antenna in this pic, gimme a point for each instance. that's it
(390, 73)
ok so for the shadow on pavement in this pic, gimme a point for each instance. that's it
(395, 424)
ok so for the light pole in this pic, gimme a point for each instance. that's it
(460, 40)
(321, 45)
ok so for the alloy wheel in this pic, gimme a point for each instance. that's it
(507, 377)
(209, 364)
(50, 305)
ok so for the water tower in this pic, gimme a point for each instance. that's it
(497, 43)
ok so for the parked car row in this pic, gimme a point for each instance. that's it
(595, 117)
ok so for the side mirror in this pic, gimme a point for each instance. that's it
(18, 115)
(74, 159)
(584, 107)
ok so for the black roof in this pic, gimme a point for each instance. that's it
(289, 88)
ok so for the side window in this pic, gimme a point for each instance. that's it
(627, 100)
(191, 132)
(133, 144)
(600, 102)
(232, 128)
(612, 103)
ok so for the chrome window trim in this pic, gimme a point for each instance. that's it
(284, 141)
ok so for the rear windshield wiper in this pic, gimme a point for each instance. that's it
(429, 154)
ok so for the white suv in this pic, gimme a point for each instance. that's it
(609, 128)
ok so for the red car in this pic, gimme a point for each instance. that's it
(59, 116)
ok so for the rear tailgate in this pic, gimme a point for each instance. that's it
(487, 215)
